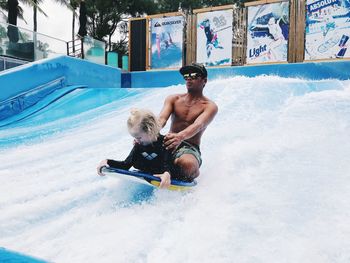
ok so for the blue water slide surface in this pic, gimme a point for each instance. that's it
(54, 95)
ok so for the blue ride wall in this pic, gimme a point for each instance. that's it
(80, 72)
(75, 71)
(339, 69)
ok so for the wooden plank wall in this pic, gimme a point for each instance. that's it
(296, 31)
(190, 39)
(300, 15)
(239, 41)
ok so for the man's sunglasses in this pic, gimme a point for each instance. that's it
(192, 76)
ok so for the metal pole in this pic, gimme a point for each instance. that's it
(82, 47)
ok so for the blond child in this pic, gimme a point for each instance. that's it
(148, 154)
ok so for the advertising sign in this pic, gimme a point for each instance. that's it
(327, 29)
(268, 32)
(166, 42)
(214, 38)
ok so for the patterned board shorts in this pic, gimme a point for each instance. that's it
(187, 148)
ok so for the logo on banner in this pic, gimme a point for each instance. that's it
(255, 52)
(167, 23)
(171, 22)
(321, 4)
(219, 21)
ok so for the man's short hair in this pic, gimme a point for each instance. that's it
(194, 68)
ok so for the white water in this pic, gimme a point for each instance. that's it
(274, 185)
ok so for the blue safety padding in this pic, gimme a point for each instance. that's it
(75, 71)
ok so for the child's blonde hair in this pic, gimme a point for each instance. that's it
(145, 121)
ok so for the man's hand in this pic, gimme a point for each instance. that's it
(99, 167)
(172, 141)
(164, 179)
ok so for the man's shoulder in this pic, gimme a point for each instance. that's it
(211, 106)
(210, 102)
(175, 97)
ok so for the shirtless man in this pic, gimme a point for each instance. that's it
(190, 113)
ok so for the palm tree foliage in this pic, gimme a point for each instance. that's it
(36, 8)
(4, 10)
(105, 15)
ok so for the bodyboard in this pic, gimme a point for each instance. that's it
(146, 178)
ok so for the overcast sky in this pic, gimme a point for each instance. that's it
(58, 23)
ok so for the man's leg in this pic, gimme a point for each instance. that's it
(187, 166)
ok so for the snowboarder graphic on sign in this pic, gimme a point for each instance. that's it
(211, 35)
(275, 31)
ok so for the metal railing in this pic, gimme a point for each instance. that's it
(88, 48)
(75, 48)
(7, 62)
(24, 44)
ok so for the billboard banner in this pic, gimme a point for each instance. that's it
(268, 33)
(327, 29)
(214, 38)
(166, 42)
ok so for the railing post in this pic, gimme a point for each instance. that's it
(82, 47)
(34, 45)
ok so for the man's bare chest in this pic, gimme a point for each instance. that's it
(187, 113)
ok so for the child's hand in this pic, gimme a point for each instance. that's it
(100, 166)
(164, 179)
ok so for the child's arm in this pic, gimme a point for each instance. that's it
(125, 165)
(119, 164)
(165, 178)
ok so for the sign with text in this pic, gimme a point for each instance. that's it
(166, 42)
(327, 29)
(268, 32)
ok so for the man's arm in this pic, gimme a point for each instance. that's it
(167, 110)
(172, 140)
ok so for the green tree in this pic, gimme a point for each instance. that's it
(175, 5)
(4, 10)
(74, 5)
(3, 7)
(104, 16)
(36, 8)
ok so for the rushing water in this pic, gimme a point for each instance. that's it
(274, 184)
